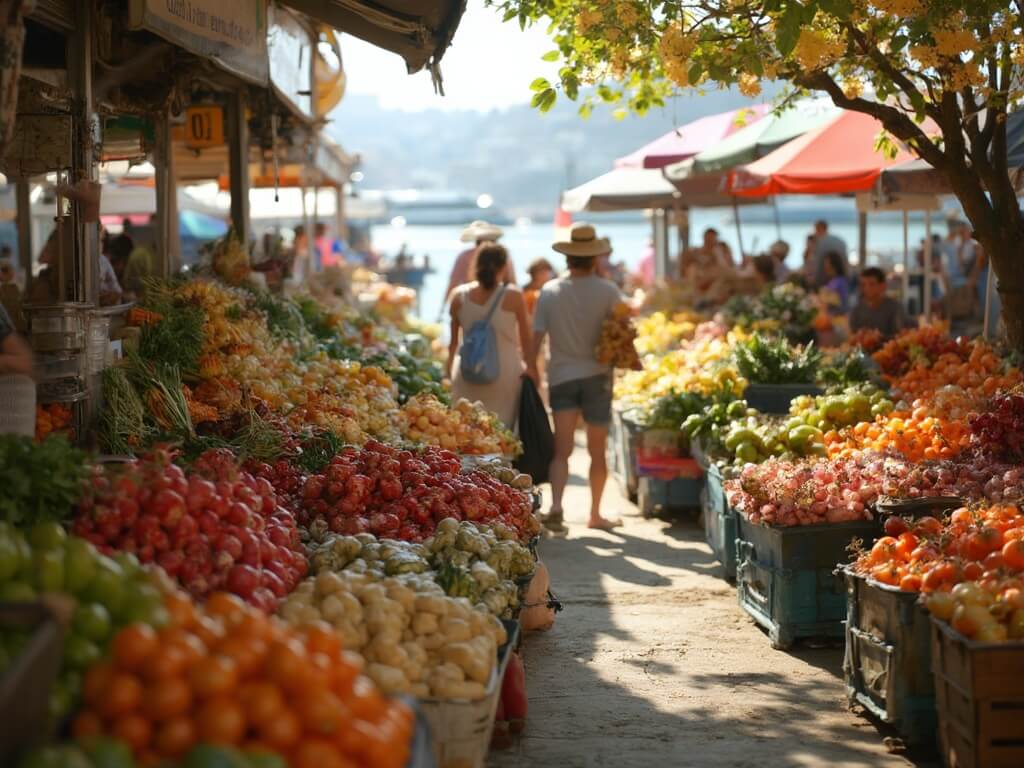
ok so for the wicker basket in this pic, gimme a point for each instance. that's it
(17, 406)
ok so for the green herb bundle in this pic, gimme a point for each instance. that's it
(763, 360)
(40, 481)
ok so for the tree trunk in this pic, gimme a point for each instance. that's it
(1004, 253)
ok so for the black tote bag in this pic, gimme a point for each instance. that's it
(535, 434)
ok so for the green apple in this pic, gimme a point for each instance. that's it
(80, 559)
(92, 621)
(48, 569)
(47, 535)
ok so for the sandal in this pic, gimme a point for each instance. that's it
(605, 525)
(554, 524)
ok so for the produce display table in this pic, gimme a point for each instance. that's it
(979, 698)
(887, 664)
(785, 579)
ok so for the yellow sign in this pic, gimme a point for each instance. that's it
(204, 127)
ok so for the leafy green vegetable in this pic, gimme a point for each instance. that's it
(40, 481)
(123, 420)
(176, 340)
(671, 410)
(853, 367)
(763, 360)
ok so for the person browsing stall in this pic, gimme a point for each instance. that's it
(876, 310)
(492, 300)
(571, 312)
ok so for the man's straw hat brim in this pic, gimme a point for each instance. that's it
(583, 242)
(481, 230)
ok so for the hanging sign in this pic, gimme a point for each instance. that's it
(291, 60)
(232, 33)
(204, 127)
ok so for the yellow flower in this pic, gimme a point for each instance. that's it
(587, 20)
(749, 84)
(675, 45)
(900, 7)
(853, 87)
(926, 55)
(953, 42)
(815, 50)
(627, 13)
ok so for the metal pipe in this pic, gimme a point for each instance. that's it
(739, 228)
(862, 239)
(905, 282)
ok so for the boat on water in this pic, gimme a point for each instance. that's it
(413, 207)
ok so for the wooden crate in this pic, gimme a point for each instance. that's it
(979, 693)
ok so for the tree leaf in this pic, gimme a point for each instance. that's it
(551, 56)
(787, 31)
(540, 84)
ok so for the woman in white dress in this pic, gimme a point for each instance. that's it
(470, 304)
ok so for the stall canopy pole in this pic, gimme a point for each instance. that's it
(739, 228)
(928, 265)
(166, 201)
(86, 275)
(905, 282)
(238, 158)
(24, 208)
(658, 226)
(775, 215)
(862, 239)
(666, 236)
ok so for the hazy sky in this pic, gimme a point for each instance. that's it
(490, 64)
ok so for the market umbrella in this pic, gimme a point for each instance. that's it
(917, 177)
(620, 190)
(839, 157)
(692, 138)
(757, 139)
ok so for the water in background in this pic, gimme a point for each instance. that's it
(530, 241)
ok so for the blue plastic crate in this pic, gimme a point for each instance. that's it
(656, 495)
(719, 522)
(887, 665)
(785, 577)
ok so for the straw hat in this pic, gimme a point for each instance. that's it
(583, 241)
(480, 230)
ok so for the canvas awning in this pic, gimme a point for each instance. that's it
(839, 157)
(417, 30)
(623, 189)
(758, 139)
(917, 177)
(692, 138)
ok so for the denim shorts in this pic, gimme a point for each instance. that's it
(592, 396)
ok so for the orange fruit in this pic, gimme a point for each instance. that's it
(282, 732)
(96, 682)
(213, 676)
(180, 609)
(318, 753)
(134, 730)
(226, 606)
(262, 702)
(86, 724)
(321, 638)
(175, 736)
(246, 652)
(133, 646)
(286, 663)
(186, 641)
(322, 712)
(167, 699)
(221, 721)
(209, 630)
(170, 663)
(123, 695)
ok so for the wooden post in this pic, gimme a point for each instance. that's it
(862, 239)
(168, 238)
(85, 277)
(238, 163)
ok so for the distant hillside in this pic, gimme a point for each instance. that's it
(519, 156)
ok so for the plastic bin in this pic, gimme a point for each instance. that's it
(887, 664)
(655, 495)
(25, 684)
(719, 522)
(979, 699)
(462, 729)
(775, 398)
(785, 576)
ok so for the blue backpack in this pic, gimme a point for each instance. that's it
(479, 353)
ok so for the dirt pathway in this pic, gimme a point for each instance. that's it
(653, 663)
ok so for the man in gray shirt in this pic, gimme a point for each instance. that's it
(571, 311)
(876, 310)
(824, 243)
